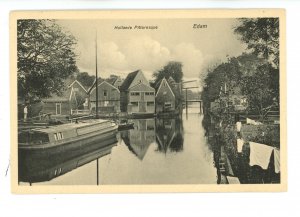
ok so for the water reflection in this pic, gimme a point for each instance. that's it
(156, 151)
(169, 135)
(39, 167)
(139, 139)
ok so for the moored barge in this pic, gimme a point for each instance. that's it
(64, 137)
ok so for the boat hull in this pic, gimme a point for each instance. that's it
(39, 168)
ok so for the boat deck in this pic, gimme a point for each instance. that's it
(69, 126)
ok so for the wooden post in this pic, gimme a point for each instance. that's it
(97, 171)
(200, 102)
(186, 102)
(96, 80)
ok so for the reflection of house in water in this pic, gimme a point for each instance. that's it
(169, 135)
(139, 139)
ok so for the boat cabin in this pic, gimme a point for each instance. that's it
(64, 132)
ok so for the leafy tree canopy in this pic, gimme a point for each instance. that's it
(45, 58)
(85, 79)
(261, 36)
(172, 69)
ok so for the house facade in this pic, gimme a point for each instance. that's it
(73, 98)
(137, 96)
(108, 98)
(165, 97)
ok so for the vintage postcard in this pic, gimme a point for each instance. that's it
(148, 101)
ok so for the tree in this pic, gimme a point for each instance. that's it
(45, 58)
(261, 36)
(85, 79)
(78, 100)
(262, 89)
(172, 69)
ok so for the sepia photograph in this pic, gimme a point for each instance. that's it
(148, 101)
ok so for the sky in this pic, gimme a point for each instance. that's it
(121, 51)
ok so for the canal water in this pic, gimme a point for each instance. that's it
(156, 151)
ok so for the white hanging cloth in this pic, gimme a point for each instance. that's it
(260, 154)
(277, 160)
(239, 143)
(238, 126)
(252, 122)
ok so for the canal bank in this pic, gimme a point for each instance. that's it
(156, 151)
(246, 154)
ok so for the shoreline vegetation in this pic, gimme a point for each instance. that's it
(245, 90)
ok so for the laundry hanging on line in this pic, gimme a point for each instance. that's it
(238, 126)
(253, 122)
(240, 143)
(260, 154)
(277, 160)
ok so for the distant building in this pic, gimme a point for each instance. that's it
(137, 96)
(74, 97)
(115, 81)
(108, 98)
(165, 97)
(168, 95)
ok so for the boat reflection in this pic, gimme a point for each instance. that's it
(39, 168)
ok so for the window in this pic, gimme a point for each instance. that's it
(149, 93)
(134, 103)
(104, 92)
(165, 92)
(55, 136)
(58, 108)
(150, 103)
(75, 89)
(168, 105)
(58, 136)
(135, 94)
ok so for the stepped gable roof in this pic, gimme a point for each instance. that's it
(128, 80)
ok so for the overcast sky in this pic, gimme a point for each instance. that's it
(123, 51)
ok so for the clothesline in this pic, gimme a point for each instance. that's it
(260, 154)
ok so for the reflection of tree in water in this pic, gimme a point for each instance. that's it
(169, 135)
(214, 140)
